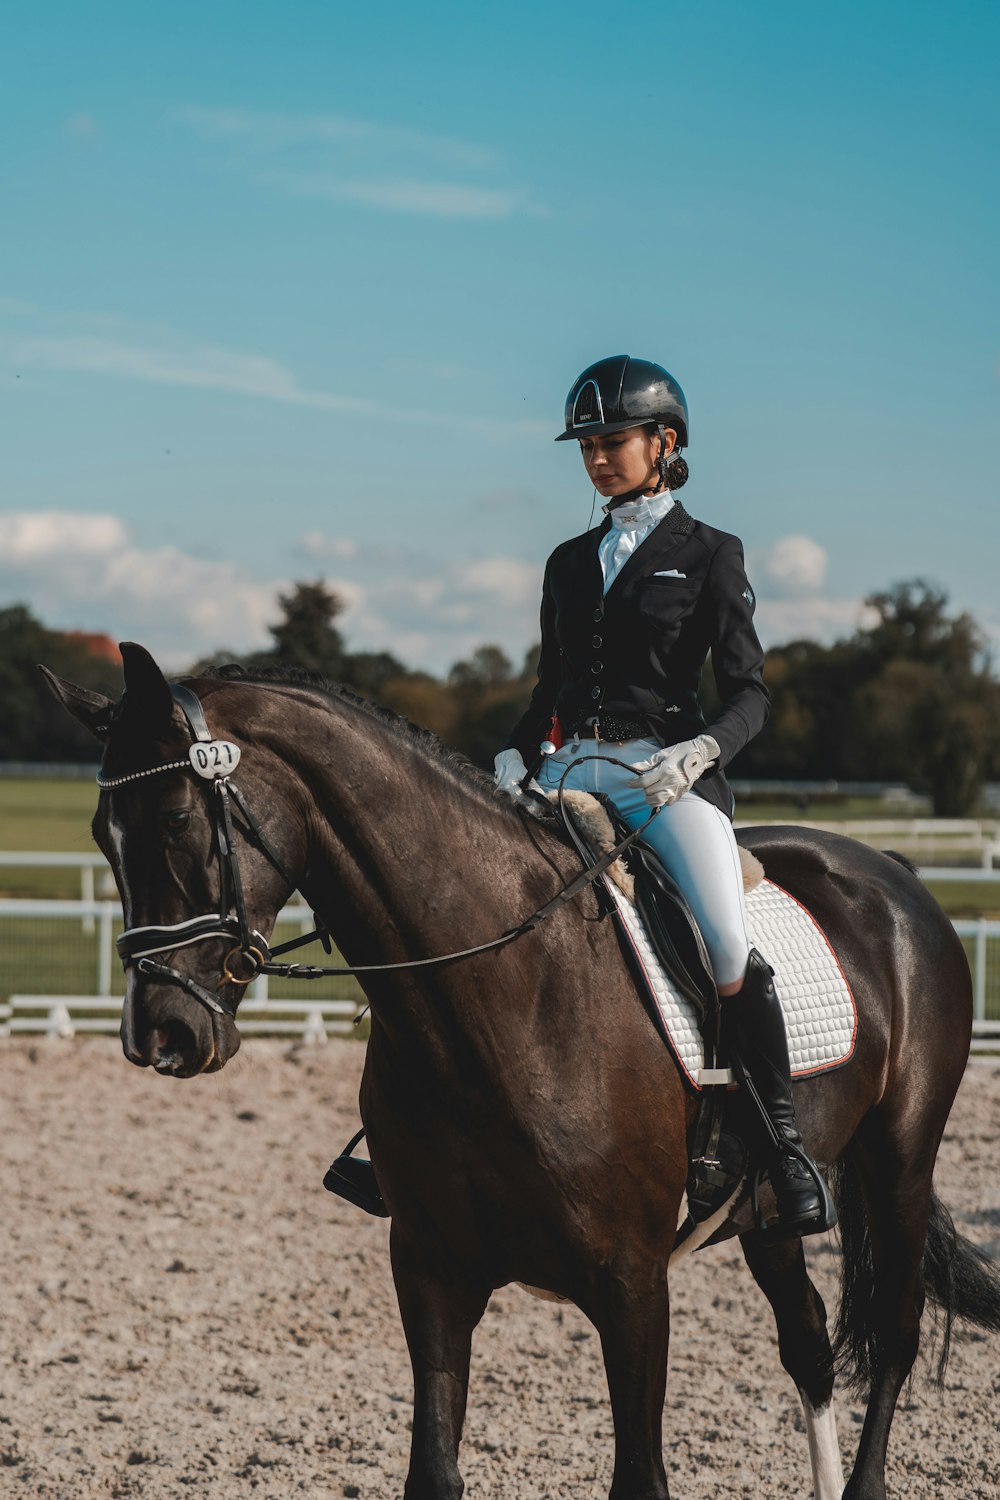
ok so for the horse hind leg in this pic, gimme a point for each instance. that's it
(804, 1345)
(886, 1196)
(439, 1314)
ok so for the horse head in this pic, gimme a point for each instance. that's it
(197, 911)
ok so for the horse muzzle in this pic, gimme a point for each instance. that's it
(168, 1027)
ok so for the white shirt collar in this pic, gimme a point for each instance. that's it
(647, 510)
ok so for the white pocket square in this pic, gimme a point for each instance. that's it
(670, 573)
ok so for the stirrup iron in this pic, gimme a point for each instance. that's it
(353, 1178)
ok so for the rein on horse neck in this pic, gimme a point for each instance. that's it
(139, 944)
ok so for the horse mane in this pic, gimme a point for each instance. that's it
(413, 736)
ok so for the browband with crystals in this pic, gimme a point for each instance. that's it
(107, 782)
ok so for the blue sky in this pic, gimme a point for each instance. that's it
(294, 291)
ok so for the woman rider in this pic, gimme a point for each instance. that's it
(630, 611)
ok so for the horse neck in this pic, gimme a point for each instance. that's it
(406, 856)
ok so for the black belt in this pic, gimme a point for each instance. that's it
(615, 728)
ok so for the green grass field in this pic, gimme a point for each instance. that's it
(55, 816)
(49, 817)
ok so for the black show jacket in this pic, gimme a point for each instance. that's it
(638, 651)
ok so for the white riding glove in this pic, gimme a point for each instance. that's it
(668, 774)
(510, 771)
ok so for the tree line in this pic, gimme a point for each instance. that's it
(910, 697)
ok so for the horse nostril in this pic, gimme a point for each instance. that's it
(172, 1046)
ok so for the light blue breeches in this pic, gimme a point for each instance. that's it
(693, 839)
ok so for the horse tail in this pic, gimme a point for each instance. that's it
(958, 1279)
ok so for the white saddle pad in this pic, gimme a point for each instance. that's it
(820, 1014)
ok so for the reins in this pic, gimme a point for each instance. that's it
(214, 761)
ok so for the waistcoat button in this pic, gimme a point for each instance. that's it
(599, 613)
(597, 643)
(595, 692)
(598, 666)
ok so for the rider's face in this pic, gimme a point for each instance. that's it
(618, 462)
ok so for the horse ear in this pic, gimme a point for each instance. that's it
(147, 690)
(92, 710)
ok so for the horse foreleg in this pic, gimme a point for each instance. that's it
(632, 1315)
(804, 1346)
(439, 1315)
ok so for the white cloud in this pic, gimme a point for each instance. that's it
(442, 200)
(39, 536)
(157, 357)
(271, 130)
(86, 571)
(386, 167)
(315, 544)
(196, 366)
(790, 567)
(793, 603)
(817, 619)
(430, 612)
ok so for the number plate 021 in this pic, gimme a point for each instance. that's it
(211, 758)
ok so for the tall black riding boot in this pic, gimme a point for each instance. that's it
(756, 1029)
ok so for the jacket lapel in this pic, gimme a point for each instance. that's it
(591, 568)
(665, 538)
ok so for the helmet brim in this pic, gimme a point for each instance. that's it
(589, 429)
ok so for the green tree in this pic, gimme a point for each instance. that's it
(910, 697)
(306, 637)
(33, 726)
(489, 698)
(928, 709)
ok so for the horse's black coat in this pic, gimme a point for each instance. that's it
(525, 1120)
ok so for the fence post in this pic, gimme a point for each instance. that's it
(104, 947)
(60, 1023)
(979, 976)
(314, 1031)
(87, 894)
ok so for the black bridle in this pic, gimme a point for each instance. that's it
(213, 761)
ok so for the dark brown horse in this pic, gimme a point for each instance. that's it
(524, 1117)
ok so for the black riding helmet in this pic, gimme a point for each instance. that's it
(621, 392)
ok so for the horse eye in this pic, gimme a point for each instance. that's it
(176, 818)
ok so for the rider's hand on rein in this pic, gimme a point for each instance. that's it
(510, 773)
(668, 774)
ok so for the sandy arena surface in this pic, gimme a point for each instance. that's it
(186, 1312)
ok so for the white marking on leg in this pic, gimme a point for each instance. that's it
(824, 1450)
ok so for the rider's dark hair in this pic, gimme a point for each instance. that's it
(677, 470)
(677, 474)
